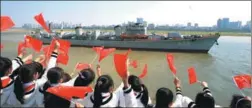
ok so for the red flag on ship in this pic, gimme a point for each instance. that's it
(105, 52)
(67, 92)
(6, 23)
(170, 61)
(40, 19)
(120, 61)
(81, 66)
(192, 75)
(134, 63)
(144, 73)
(242, 81)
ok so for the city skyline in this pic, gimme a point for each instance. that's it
(112, 13)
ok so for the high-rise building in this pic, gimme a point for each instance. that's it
(140, 20)
(225, 22)
(219, 24)
(196, 25)
(151, 26)
(234, 25)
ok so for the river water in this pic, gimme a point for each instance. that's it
(232, 56)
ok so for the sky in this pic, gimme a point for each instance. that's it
(205, 13)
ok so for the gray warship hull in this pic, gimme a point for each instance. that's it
(202, 45)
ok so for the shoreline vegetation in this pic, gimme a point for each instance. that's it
(161, 32)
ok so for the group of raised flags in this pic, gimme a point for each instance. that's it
(121, 61)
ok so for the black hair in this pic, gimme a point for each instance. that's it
(85, 77)
(26, 74)
(53, 101)
(164, 97)
(239, 101)
(138, 86)
(39, 68)
(53, 75)
(103, 85)
(5, 65)
(66, 77)
(204, 100)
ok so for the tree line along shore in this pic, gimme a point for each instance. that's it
(161, 32)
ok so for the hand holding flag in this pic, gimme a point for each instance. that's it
(169, 58)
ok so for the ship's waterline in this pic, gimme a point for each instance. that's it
(232, 56)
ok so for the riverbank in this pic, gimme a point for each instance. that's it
(164, 32)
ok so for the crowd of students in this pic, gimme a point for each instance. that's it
(25, 85)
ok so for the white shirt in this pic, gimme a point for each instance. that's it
(33, 99)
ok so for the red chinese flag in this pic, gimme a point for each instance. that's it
(6, 23)
(81, 66)
(192, 75)
(36, 44)
(120, 61)
(64, 44)
(242, 81)
(133, 63)
(127, 53)
(170, 61)
(144, 73)
(67, 92)
(62, 57)
(21, 46)
(97, 49)
(40, 19)
(2, 46)
(105, 52)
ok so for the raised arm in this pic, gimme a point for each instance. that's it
(17, 62)
(130, 99)
(205, 88)
(51, 63)
(98, 70)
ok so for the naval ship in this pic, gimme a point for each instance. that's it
(134, 36)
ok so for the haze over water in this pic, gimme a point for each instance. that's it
(232, 56)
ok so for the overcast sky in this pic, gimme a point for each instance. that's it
(205, 13)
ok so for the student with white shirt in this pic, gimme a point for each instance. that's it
(9, 72)
(140, 92)
(239, 101)
(27, 84)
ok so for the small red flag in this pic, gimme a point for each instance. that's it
(6, 23)
(67, 92)
(170, 61)
(105, 52)
(64, 44)
(81, 66)
(192, 75)
(242, 81)
(144, 73)
(120, 61)
(40, 19)
(36, 44)
(127, 53)
(21, 46)
(2, 46)
(133, 63)
(98, 49)
(62, 57)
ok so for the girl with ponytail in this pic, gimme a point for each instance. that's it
(140, 92)
(27, 84)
